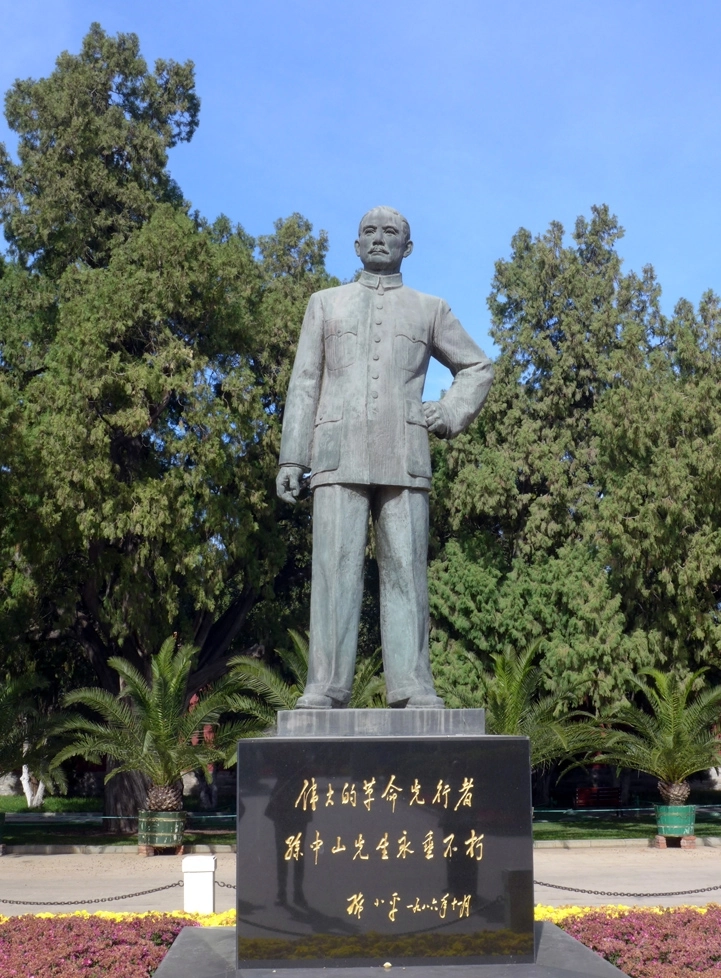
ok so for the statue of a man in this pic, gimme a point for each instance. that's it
(354, 418)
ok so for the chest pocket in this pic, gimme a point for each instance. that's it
(409, 347)
(341, 343)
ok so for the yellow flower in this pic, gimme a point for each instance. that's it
(556, 915)
(224, 919)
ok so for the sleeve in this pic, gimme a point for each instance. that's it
(296, 444)
(472, 371)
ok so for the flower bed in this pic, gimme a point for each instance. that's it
(647, 942)
(644, 942)
(123, 945)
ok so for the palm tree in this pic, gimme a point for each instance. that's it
(511, 696)
(24, 739)
(263, 690)
(676, 739)
(17, 708)
(148, 727)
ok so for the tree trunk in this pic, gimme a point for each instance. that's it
(624, 782)
(676, 793)
(33, 789)
(542, 786)
(125, 795)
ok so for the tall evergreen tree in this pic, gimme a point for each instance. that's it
(93, 147)
(659, 516)
(517, 495)
(143, 363)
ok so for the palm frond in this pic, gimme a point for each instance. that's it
(675, 737)
(148, 727)
(368, 687)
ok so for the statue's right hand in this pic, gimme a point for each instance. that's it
(287, 482)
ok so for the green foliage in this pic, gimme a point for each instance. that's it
(144, 357)
(674, 737)
(17, 711)
(24, 735)
(263, 689)
(659, 517)
(564, 598)
(149, 727)
(582, 507)
(93, 142)
(511, 695)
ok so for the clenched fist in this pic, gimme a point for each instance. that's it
(435, 418)
(288, 482)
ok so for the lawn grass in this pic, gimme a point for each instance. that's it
(41, 835)
(51, 803)
(610, 826)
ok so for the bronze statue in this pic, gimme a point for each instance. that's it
(355, 419)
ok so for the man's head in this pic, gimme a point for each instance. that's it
(384, 240)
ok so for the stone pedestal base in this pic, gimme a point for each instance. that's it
(666, 842)
(209, 952)
(381, 723)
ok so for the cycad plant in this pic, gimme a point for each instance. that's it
(149, 727)
(674, 737)
(263, 690)
(515, 705)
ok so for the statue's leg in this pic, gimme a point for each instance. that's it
(340, 529)
(401, 517)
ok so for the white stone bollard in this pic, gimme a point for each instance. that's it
(199, 884)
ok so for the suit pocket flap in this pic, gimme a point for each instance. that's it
(337, 327)
(330, 411)
(414, 413)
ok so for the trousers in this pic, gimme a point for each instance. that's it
(340, 531)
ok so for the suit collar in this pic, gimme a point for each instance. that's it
(372, 281)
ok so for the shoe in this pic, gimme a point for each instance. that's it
(316, 701)
(425, 701)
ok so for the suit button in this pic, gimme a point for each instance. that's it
(374, 394)
(378, 320)
(376, 356)
(379, 305)
(375, 376)
(376, 339)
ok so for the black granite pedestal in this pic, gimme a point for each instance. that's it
(357, 850)
(383, 839)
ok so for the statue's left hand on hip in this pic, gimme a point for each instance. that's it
(435, 418)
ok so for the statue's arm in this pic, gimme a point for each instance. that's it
(296, 445)
(472, 374)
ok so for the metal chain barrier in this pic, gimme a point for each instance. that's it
(614, 893)
(82, 903)
(226, 886)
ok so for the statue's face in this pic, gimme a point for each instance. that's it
(382, 244)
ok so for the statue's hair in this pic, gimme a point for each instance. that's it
(391, 210)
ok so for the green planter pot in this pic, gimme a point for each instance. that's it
(675, 820)
(164, 830)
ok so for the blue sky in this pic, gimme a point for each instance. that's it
(473, 118)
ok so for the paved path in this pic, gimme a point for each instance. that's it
(76, 877)
(629, 871)
(41, 878)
